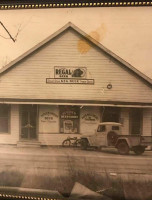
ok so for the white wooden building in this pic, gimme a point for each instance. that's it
(66, 85)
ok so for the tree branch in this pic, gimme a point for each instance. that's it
(19, 29)
(4, 37)
(7, 32)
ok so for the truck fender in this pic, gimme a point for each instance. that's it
(89, 141)
(123, 139)
(85, 138)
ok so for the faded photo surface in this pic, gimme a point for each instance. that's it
(76, 103)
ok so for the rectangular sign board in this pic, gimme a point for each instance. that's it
(70, 72)
(69, 81)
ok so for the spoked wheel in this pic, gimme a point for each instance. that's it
(123, 148)
(66, 143)
(139, 150)
(77, 143)
(99, 148)
(112, 138)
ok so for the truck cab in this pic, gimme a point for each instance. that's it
(106, 134)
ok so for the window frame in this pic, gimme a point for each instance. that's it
(100, 129)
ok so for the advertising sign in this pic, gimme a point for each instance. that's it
(70, 72)
(70, 75)
(48, 117)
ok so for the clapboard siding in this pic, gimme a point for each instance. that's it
(147, 122)
(13, 136)
(28, 78)
(54, 139)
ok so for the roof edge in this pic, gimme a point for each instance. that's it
(37, 46)
(87, 37)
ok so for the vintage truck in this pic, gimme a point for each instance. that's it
(109, 134)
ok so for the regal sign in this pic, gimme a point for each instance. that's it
(70, 75)
(70, 72)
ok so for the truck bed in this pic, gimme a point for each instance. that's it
(136, 140)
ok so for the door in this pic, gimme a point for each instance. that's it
(101, 137)
(28, 122)
(136, 121)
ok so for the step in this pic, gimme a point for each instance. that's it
(28, 144)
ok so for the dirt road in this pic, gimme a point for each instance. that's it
(60, 160)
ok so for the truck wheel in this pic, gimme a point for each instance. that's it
(123, 148)
(112, 138)
(84, 144)
(99, 148)
(139, 150)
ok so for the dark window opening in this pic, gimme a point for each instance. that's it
(4, 118)
(111, 114)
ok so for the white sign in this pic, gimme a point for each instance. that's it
(48, 117)
(69, 81)
(90, 117)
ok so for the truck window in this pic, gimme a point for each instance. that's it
(101, 128)
(115, 128)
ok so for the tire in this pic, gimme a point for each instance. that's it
(139, 150)
(84, 144)
(98, 148)
(66, 143)
(77, 143)
(123, 148)
(112, 138)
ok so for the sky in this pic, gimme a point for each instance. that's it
(125, 31)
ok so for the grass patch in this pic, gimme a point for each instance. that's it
(11, 178)
(112, 186)
(62, 184)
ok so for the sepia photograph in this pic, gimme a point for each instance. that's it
(76, 103)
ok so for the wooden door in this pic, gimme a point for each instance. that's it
(28, 122)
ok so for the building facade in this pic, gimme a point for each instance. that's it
(65, 86)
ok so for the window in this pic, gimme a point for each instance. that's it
(111, 114)
(101, 128)
(115, 128)
(4, 118)
(69, 119)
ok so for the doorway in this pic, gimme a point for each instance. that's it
(28, 122)
(136, 118)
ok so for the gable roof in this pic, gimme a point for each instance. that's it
(87, 37)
